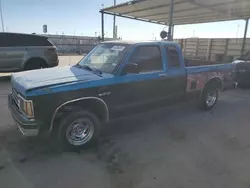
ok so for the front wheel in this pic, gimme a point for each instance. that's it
(209, 98)
(78, 129)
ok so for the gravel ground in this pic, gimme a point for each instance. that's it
(173, 147)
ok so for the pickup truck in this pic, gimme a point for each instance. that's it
(114, 79)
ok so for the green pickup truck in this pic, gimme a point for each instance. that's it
(114, 79)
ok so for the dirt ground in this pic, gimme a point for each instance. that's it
(174, 147)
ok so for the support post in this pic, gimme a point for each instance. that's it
(185, 46)
(173, 31)
(245, 36)
(170, 20)
(197, 47)
(102, 13)
(226, 47)
(181, 44)
(209, 47)
(114, 25)
(1, 13)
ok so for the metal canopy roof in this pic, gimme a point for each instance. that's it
(185, 11)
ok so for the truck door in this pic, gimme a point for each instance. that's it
(176, 73)
(145, 88)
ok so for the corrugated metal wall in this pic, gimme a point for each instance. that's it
(210, 49)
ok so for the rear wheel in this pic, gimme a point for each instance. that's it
(209, 97)
(78, 129)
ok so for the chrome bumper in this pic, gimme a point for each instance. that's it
(26, 126)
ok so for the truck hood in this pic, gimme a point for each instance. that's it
(41, 78)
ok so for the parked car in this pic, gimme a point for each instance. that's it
(242, 69)
(19, 52)
(113, 80)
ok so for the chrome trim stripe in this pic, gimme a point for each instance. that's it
(71, 101)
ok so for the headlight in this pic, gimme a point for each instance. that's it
(27, 107)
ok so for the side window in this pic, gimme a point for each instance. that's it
(148, 58)
(4, 41)
(173, 57)
(14, 40)
(30, 40)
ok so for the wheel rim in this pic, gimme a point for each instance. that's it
(80, 131)
(211, 98)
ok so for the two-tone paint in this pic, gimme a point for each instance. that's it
(52, 90)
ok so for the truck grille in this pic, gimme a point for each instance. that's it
(15, 99)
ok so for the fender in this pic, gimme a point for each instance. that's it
(212, 78)
(75, 100)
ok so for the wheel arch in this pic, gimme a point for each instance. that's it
(27, 61)
(217, 81)
(77, 101)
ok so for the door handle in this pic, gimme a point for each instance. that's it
(162, 74)
(104, 94)
(103, 91)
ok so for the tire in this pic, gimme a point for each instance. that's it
(35, 64)
(84, 124)
(209, 97)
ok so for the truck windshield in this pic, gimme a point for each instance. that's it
(104, 57)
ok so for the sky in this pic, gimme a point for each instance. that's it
(82, 17)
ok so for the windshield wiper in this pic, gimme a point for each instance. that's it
(92, 69)
(89, 68)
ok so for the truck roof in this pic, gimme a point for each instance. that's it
(137, 42)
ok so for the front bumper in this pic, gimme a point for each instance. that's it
(27, 127)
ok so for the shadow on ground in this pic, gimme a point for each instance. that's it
(177, 146)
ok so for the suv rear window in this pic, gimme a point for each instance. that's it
(12, 40)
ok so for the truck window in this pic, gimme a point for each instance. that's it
(148, 58)
(173, 57)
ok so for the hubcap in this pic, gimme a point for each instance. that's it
(211, 98)
(80, 131)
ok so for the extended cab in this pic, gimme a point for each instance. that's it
(114, 79)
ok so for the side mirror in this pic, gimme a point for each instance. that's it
(130, 68)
